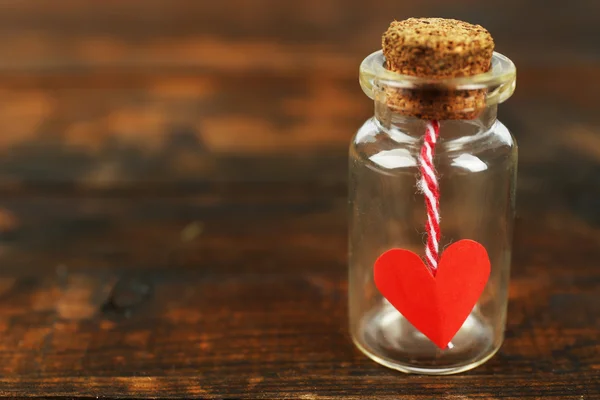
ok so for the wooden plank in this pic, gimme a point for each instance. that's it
(240, 34)
(214, 295)
(123, 129)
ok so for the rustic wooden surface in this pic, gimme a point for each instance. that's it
(173, 205)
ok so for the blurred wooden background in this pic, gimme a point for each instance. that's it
(128, 92)
(172, 184)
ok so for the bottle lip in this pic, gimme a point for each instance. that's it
(499, 82)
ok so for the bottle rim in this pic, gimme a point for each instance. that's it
(498, 83)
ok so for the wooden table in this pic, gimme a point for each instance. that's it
(173, 200)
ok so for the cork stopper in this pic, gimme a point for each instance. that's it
(437, 48)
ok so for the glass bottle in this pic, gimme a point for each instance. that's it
(476, 161)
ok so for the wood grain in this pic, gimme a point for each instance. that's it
(173, 200)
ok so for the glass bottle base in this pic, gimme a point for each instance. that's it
(386, 337)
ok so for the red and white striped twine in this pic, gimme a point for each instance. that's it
(430, 187)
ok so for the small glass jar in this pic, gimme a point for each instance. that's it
(476, 161)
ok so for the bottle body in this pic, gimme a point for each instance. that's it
(476, 163)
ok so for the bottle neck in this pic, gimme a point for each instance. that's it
(412, 128)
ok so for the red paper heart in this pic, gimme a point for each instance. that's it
(436, 306)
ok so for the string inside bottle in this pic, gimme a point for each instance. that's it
(429, 185)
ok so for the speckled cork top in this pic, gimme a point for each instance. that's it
(437, 48)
